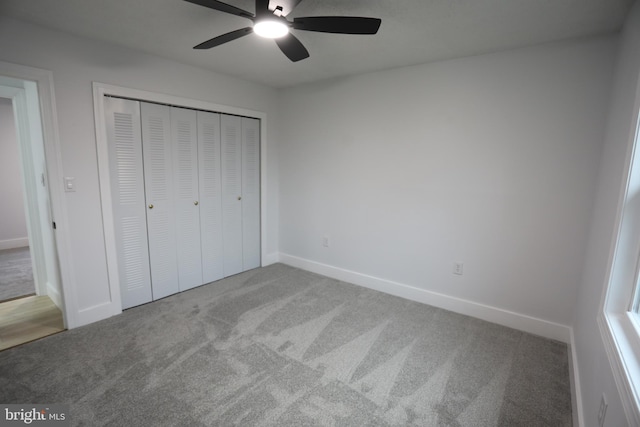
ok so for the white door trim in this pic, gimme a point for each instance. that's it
(102, 89)
(46, 96)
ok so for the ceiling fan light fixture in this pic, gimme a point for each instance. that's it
(271, 28)
(273, 24)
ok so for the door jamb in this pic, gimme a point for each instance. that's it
(53, 156)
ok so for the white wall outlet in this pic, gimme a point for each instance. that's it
(325, 241)
(458, 268)
(603, 410)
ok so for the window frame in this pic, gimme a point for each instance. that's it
(618, 318)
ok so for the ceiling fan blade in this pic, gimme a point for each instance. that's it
(338, 24)
(223, 7)
(291, 46)
(262, 7)
(217, 41)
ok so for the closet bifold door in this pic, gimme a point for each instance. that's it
(250, 193)
(231, 147)
(160, 205)
(210, 195)
(186, 196)
(127, 195)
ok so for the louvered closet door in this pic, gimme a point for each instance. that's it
(250, 193)
(127, 195)
(210, 196)
(158, 173)
(231, 132)
(187, 203)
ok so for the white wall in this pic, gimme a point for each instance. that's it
(13, 223)
(75, 64)
(489, 160)
(594, 369)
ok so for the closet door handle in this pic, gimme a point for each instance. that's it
(150, 206)
(195, 203)
(239, 197)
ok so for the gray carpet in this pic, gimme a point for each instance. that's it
(16, 276)
(283, 347)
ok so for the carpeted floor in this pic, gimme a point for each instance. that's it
(283, 347)
(16, 276)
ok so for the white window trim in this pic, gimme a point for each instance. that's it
(619, 328)
(621, 344)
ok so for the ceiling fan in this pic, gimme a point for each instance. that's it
(272, 23)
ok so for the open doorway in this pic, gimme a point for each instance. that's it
(16, 272)
(31, 304)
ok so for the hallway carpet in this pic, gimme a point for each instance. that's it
(16, 276)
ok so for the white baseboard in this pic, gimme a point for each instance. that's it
(94, 314)
(14, 243)
(574, 378)
(500, 316)
(269, 259)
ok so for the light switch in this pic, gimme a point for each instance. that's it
(69, 183)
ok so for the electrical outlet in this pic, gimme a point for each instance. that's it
(458, 268)
(603, 410)
(325, 241)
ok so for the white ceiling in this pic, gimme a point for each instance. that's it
(412, 31)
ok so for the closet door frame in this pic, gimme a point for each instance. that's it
(100, 90)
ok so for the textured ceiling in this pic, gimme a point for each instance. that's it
(412, 31)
